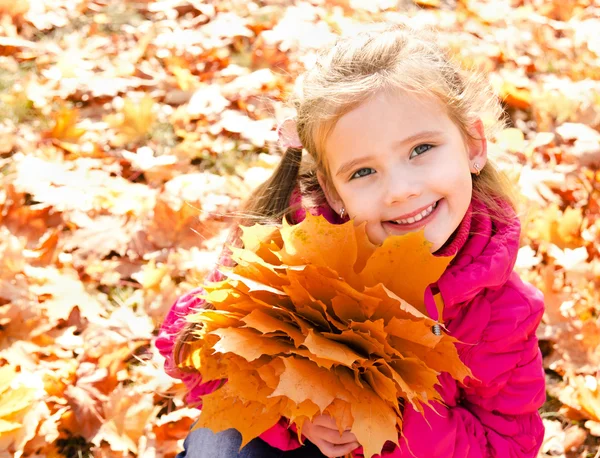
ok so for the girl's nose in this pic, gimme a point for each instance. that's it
(402, 187)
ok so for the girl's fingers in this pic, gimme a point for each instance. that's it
(334, 451)
(324, 420)
(323, 432)
(333, 435)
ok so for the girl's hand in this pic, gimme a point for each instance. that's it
(324, 433)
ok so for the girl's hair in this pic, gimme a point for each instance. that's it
(384, 57)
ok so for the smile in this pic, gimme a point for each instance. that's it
(415, 220)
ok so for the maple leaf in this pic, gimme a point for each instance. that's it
(135, 121)
(65, 126)
(15, 401)
(302, 327)
(127, 413)
(12, 400)
(588, 395)
(560, 228)
(59, 292)
(86, 400)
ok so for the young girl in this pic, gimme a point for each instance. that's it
(394, 135)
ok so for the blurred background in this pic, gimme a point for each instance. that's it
(128, 129)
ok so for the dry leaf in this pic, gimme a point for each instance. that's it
(588, 395)
(15, 401)
(65, 126)
(514, 96)
(135, 121)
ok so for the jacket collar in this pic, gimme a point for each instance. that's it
(486, 252)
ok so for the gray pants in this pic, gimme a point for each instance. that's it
(203, 443)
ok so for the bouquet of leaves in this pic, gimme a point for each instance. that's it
(313, 319)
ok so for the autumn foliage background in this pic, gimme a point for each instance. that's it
(128, 129)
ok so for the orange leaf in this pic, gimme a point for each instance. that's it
(516, 97)
(267, 323)
(383, 385)
(65, 126)
(407, 330)
(251, 419)
(342, 413)
(376, 418)
(311, 244)
(247, 343)
(329, 349)
(405, 266)
(318, 385)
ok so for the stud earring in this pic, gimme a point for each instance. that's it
(477, 169)
(342, 212)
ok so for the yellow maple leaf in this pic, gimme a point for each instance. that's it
(588, 395)
(65, 126)
(135, 121)
(563, 229)
(14, 402)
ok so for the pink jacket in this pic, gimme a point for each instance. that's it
(494, 314)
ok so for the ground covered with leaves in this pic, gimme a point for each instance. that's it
(129, 130)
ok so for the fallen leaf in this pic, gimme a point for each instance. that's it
(135, 121)
(16, 400)
(65, 126)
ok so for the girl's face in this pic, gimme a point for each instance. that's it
(399, 163)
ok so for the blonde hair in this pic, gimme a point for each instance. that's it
(384, 57)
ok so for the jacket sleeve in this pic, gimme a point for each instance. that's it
(279, 436)
(496, 412)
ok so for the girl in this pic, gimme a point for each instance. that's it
(394, 135)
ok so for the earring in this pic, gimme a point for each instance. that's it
(477, 170)
(342, 212)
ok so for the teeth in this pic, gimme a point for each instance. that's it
(417, 217)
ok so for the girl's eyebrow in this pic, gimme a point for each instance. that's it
(426, 134)
(423, 135)
(346, 167)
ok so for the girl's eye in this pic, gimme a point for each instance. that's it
(361, 172)
(420, 149)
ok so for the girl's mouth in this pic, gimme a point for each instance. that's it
(414, 223)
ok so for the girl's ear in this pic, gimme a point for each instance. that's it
(477, 146)
(330, 193)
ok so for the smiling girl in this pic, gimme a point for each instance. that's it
(389, 132)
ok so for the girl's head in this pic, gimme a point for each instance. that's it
(393, 130)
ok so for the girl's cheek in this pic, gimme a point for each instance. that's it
(362, 210)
